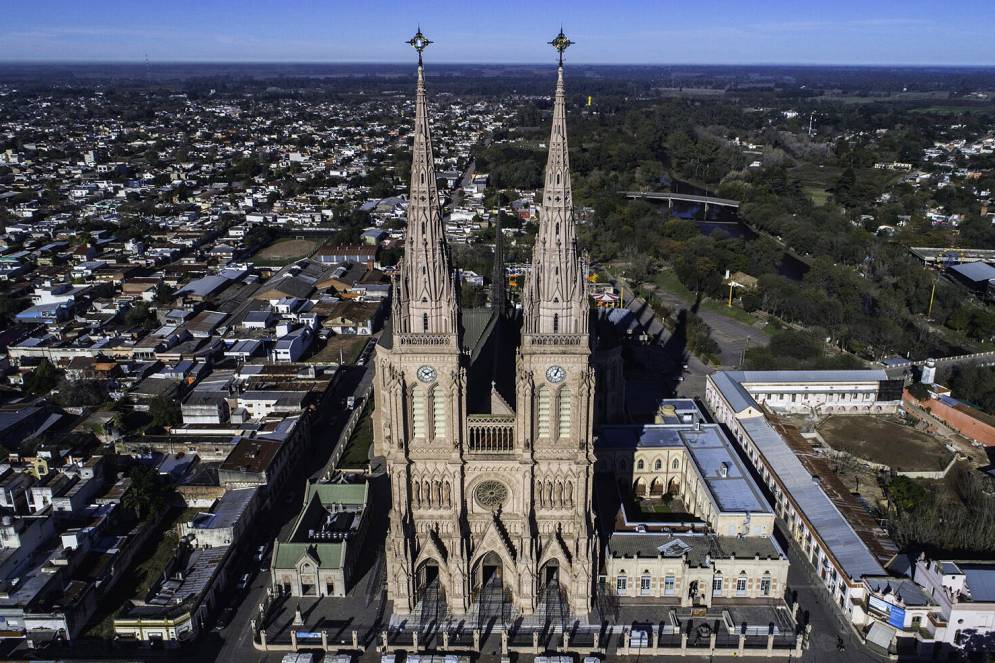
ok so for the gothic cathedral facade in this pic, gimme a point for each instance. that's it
(485, 417)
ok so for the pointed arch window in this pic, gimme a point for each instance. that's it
(566, 412)
(438, 412)
(544, 407)
(419, 412)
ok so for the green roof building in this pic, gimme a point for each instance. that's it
(318, 557)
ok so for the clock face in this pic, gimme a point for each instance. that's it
(426, 374)
(555, 374)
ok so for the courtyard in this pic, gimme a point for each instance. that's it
(885, 440)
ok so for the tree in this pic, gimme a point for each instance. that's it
(140, 315)
(905, 493)
(77, 393)
(919, 391)
(148, 493)
(165, 412)
(43, 379)
(164, 293)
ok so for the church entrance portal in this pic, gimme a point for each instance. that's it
(430, 593)
(490, 572)
(551, 572)
(492, 597)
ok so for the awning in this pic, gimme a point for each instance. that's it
(881, 635)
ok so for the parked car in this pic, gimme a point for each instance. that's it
(224, 619)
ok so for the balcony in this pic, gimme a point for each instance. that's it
(555, 340)
(491, 433)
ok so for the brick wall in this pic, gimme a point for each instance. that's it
(960, 419)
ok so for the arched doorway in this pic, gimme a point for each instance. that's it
(656, 487)
(489, 590)
(427, 575)
(550, 572)
(490, 571)
(430, 592)
(639, 488)
(552, 594)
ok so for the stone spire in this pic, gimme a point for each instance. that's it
(554, 296)
(425, 291)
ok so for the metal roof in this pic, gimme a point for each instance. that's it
(739, 399)
(806, 377)
(980, 580)
(975, 271)
(844, 544)
(727, 480)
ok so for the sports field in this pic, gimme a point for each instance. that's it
(284, 251)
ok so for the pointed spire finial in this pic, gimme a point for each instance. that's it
(561, 43)
(419, 42)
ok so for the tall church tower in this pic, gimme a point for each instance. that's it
(555, 390)
(420, 385)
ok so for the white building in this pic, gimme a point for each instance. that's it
(819, 392)
(841, 558)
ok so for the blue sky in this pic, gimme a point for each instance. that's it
(920, 32)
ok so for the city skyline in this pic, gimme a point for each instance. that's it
(724, 33)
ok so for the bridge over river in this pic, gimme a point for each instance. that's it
(682, 197)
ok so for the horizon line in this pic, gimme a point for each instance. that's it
(152, 63)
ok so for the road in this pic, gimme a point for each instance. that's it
(667, 365)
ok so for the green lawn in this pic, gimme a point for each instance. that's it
(816, 180)
(357, 452)
(668, 280)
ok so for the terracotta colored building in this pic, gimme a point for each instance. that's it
(964, 419)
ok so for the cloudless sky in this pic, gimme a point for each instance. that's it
(920, 32)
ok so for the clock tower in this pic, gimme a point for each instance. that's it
(555, 386)
(420, 388)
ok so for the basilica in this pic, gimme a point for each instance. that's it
(485, 416)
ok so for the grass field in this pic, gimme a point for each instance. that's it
(284, 251)
(667, 280)
(816, 180)
(357, 451)
(885, 441)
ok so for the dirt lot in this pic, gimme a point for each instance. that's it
(886, 441)
(284, 251)
(350, 346)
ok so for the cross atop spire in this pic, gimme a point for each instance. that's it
(419, 42)
(561, 43)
